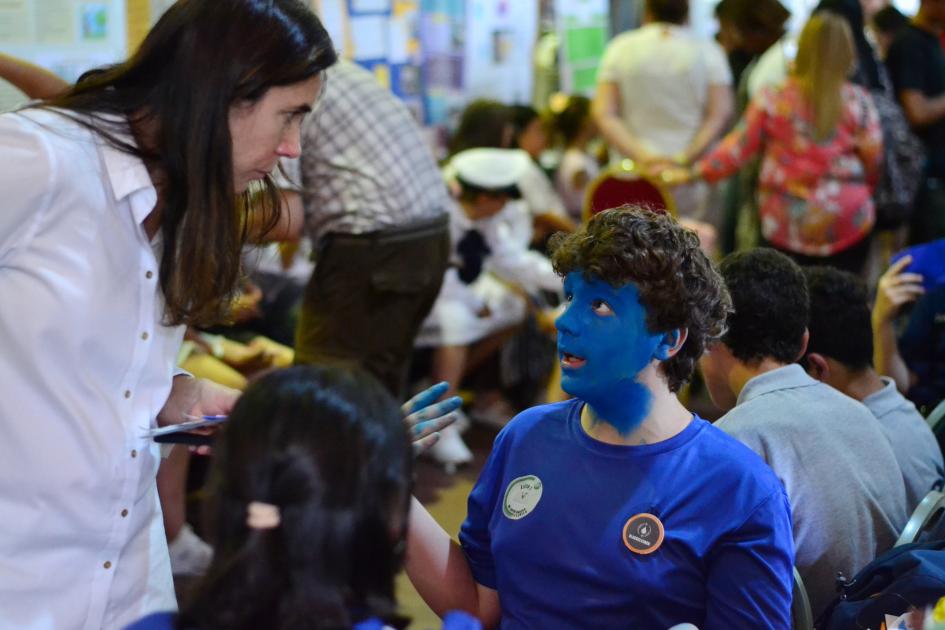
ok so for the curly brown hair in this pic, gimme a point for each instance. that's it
(678, 285)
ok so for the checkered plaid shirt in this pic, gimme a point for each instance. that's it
(365, 165)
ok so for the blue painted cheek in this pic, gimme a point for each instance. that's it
(623, 402)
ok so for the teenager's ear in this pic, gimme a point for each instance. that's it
(817, 366)
(670, 343)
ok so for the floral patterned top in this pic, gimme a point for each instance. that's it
(814, 198)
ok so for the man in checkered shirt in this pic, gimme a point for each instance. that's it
(375, 207)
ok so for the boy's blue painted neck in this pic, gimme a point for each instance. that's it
(604, 344)
(624, 408)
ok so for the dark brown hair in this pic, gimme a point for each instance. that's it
(570, 121)
(327, 447)
(200, 59)
(678, 286)
(840, 323)
(672, 11)
(484, 123)
(772, 305)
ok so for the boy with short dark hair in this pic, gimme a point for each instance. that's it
(840, 354)
(847, 494)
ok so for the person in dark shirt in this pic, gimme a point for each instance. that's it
(916, 63)
(885, 25)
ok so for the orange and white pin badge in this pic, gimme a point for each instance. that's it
(643, 534)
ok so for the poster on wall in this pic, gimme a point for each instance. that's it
(15, 22)
(582, 32)
(67, 37)
(54, 22)
(442, 39)
(95, 21)
(500, 40)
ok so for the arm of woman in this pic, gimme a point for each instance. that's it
(739, 146)
(30, 79)
(869, 145)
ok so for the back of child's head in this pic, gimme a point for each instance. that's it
(772, 306)
(529, 130)
(839, 323)
(677, 284)
(889, 20)
(572, 118)
(484, 123)
(309, 491)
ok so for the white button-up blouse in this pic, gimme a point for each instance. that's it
(85, 366)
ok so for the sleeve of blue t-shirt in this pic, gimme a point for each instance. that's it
(474, 535)
(453, 620)
(750, 576)
(156, 621)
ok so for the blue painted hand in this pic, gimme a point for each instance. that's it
(425, 417)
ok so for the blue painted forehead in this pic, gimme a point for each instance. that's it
(599, 283)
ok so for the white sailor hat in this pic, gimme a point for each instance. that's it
(497, 170)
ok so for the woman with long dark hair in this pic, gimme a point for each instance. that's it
(309, 493)
(126, 201)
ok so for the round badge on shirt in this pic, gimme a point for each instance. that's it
(521, 497)
(643, 534)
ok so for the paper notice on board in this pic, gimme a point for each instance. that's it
(369, 6)
(94, 17)
(369, 37)
(15, 24)
(55, 22)
(332, 15)
(398, 46)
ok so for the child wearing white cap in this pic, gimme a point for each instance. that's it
(491, 269)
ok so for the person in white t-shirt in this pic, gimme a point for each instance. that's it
(664, 95)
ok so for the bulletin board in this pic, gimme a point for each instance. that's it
(442, 39)
(500, 41)
(383, 36)
(67, 37)
(583, 32)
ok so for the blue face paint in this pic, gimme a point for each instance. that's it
(604, 344)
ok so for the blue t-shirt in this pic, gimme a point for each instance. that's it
(455, 620)
(558, 524)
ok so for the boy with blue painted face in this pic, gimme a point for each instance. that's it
(619, 508)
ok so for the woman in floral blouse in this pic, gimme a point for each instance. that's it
(822, 152)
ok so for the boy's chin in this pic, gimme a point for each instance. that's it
(574, 387)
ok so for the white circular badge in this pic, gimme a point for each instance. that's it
(521, 497)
